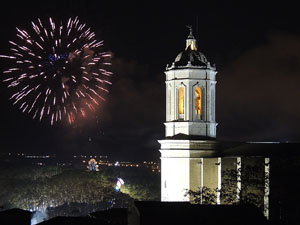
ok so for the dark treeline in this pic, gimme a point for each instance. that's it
(50, 188)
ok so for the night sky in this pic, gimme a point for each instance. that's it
(256, 49)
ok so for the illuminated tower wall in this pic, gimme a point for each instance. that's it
(188, 152)
(190, 97)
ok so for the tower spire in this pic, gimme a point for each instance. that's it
(191, 36)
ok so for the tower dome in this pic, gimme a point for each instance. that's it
(191, 56)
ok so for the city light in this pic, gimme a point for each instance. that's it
(119, 184)
(90, 162)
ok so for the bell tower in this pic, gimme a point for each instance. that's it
(190, 93)
(190, 127)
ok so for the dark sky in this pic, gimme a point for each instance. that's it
(256, 49)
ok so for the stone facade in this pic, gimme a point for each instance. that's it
(190, 121)
(184, 165)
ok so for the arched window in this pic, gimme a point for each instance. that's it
(181, 102)
(198, 102)
(168, 99)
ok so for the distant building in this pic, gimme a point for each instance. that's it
(191, 156)
(179, 213)
(15, 216)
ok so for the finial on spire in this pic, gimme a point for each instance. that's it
(191, 41)
(191, 30)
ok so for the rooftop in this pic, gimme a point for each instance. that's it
(190, 57)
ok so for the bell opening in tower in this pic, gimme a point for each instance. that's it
(181, 103)
(198, 103)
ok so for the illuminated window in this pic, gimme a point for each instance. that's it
(198, 102)
(181, 102)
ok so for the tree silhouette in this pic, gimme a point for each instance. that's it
(253, 181)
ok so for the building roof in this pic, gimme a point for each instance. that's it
(245, 149)
(266, 149)
(64, 220)
(191, 57)
(181, 136)
(185, 213)
(15, 216)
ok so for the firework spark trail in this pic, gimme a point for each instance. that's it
(59, 71)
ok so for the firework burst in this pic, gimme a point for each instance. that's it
(60, 72)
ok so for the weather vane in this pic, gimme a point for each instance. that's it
(190, 28)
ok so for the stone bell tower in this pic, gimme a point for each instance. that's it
(190, 93)
(190, 128)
